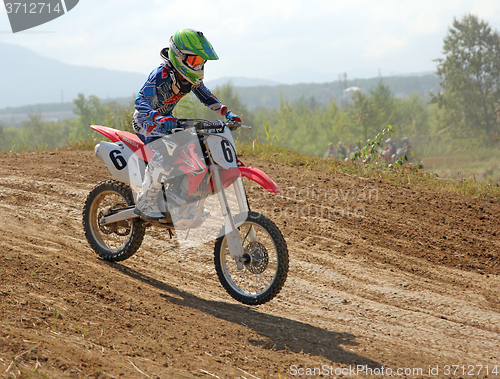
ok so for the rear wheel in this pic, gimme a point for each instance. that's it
(265, 262)
(117, 241)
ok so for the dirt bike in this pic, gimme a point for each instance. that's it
(203, 198)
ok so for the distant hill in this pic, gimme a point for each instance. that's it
(257, 96)
(323, 93)
(30, 78)
(13, 116)
(239, 81)
(50, 86)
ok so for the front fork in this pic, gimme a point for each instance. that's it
(233, 237)
(241, 196)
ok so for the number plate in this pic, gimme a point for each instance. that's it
(223, 150)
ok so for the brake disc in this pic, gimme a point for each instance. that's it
(259, 257)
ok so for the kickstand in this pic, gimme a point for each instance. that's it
(171, 234)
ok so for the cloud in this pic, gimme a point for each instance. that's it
(379, 44)
(258, 38)
(423, 23)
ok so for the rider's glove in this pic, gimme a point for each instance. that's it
(168, 123)
(230, 116)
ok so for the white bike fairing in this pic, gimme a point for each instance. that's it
(222, 149)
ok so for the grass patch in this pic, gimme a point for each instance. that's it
(408, 175)
(84, 143)
(87, 142)
(480, 164)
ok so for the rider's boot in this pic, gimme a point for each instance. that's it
(147, 206)
(147, 202)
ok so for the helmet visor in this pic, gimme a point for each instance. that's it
(194, 62)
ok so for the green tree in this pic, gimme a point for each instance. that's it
(371, 113)
(2, 137)
(470, 78)
(90, 110)
(383, 107)
(360, 111)
(119, 116)
(413, 118)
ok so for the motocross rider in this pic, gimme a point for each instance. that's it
(180, 73)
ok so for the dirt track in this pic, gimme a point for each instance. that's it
(412, 284)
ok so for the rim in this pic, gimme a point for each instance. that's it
(111, 237)
(261, 261)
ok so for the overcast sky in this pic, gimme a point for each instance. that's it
(290, 41)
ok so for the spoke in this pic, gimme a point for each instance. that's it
(256, 231)
(244, 239)
(264, 279)
(272, 267)
(112, 240)
(246, 280)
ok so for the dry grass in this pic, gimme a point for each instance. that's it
(407, 175)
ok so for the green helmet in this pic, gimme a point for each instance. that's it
(188, 51)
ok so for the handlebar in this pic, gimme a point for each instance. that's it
(208, 125)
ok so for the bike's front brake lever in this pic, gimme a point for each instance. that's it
(233, 125)
(175, 130)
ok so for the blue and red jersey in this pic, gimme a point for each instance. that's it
(159, 96)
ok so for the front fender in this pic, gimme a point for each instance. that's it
(260, 178)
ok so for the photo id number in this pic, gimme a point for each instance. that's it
(32, 8)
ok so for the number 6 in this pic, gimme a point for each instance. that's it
(227, 151)
(117, 159)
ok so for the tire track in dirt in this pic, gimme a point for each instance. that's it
(413, 283)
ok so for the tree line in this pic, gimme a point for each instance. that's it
(463, 114)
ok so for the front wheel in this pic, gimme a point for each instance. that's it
(265, 262)
(117, 241)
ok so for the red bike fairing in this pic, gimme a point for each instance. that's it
(190, 164)
(130, 139)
